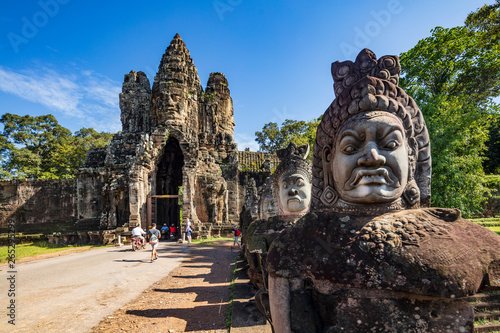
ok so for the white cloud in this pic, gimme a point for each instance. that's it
(246, 141)
(89, 97)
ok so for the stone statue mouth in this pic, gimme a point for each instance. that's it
(379, 176)
(294, 199)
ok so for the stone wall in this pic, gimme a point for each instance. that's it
(38, 205)
(250, 161)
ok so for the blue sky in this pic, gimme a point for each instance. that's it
(68, 57)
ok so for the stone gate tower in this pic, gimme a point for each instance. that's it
(176, 139)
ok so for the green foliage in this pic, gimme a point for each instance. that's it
(454, 76)
(486, 19)
(40, 248)
(274, 137)
(492, 162)
(38, 147)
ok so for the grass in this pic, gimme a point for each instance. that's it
(232, 289)
(486, 321)
(211, 240)
(492, 223)
(37, 248)
(495, 229)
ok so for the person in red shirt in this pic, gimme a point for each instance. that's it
(173, 232)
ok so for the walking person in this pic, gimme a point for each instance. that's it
(189, 231)
(154, 236)
(237, 234)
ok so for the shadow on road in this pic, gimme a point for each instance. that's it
(196, 293)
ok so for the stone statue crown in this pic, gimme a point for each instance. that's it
(293, 159)
(347, 73)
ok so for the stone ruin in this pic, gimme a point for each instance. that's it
(284, 198)
(370, 256)
(176, 140)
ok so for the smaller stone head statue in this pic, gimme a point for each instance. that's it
(372, 150)
(292, 181)
(266, 201)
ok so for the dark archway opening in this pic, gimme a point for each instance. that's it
(168, 182)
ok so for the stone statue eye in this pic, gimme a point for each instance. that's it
(285, 185)
(349, 149)
(299, 182)
(392, 145)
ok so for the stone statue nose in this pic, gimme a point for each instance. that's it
(169, 99)
(293, 191)
(371, 158)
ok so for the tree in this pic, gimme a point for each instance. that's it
(454, 76)
(492, 162)
(486, 19)
(38, 147)
(274, 137)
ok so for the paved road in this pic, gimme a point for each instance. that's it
(72, 293)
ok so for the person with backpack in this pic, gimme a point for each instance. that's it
(189, 231)
(154, 236)
(237, 234)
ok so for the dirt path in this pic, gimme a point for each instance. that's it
(193, 298)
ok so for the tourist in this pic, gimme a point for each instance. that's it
(153, 237)
(237, 234)
(173, 232)
(137, 232)
(164, 231)
(188, 232)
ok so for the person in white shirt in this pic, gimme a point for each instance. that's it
(137, 232)
(188, 231)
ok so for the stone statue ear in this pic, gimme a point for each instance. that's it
(411, 194)
(329, 195)
(327, 154)
(412, 156)
(413, 144)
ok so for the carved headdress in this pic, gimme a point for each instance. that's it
(366, 85)
(292, 160)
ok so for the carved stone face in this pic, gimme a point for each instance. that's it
(294, 193)
(267, 208)
(172, 102)
(370, 162)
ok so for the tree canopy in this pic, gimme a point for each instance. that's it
(454, 76)
(274, 137)
(38, 147)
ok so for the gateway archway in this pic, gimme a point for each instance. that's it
(168, 185)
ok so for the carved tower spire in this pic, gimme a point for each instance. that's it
(135, 103)
(176, 88)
